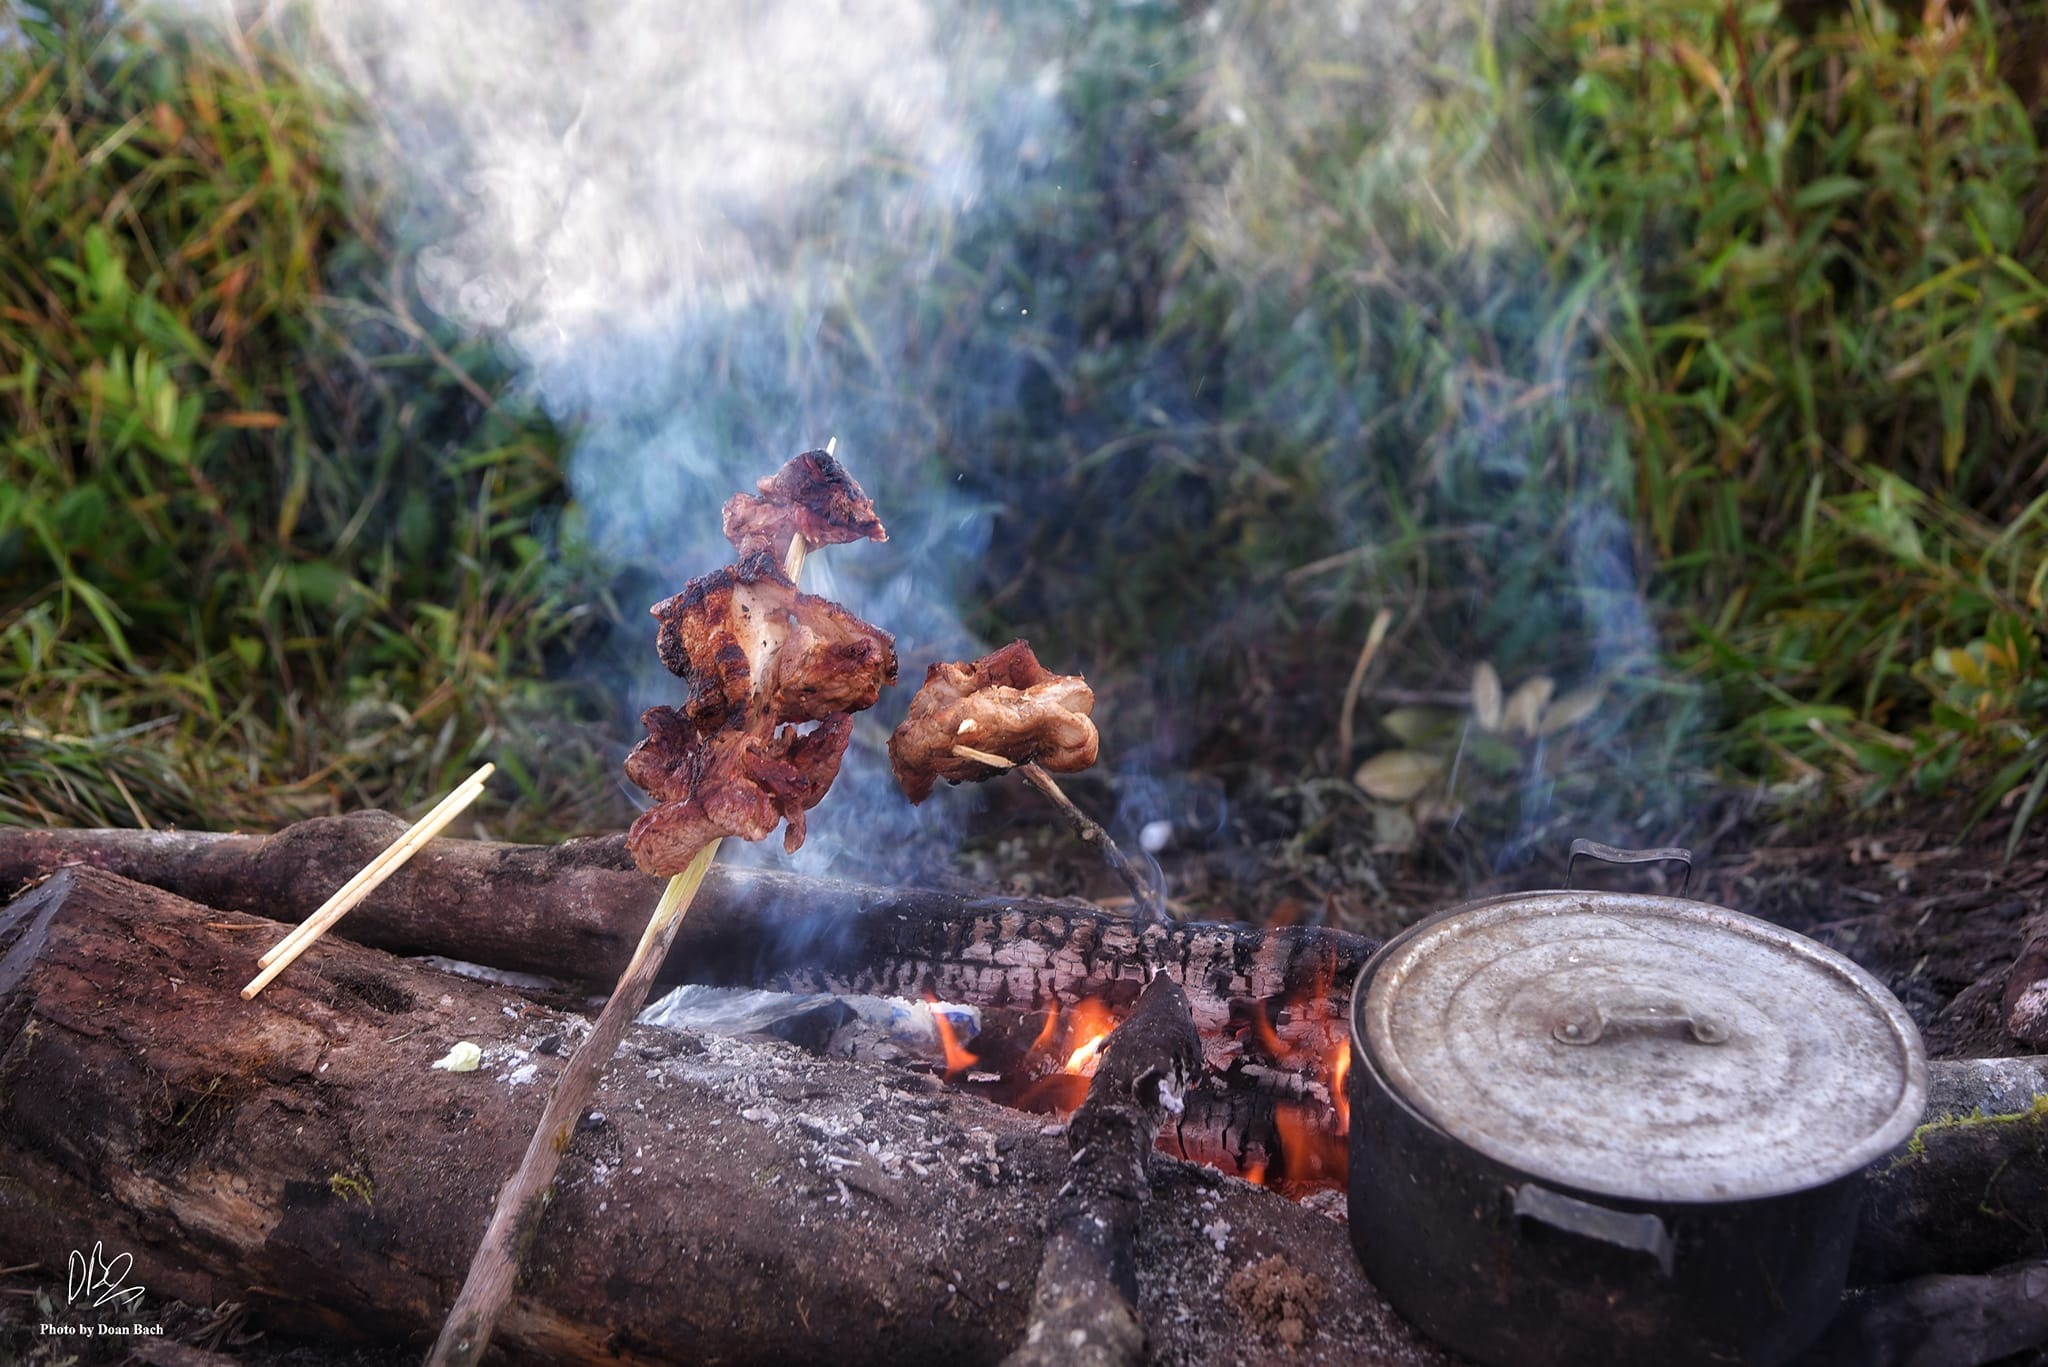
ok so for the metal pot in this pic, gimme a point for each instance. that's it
(1597, 1127)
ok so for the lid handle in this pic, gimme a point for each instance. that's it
(1609, 854)
(1607, 1020)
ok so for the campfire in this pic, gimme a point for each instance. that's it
(874, 1123)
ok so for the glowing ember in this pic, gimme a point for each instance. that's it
(1309, 1154)
(1276, 1048)
(957, 1059)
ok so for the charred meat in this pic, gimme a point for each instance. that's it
(753, 648)
(812, 495)
(1005, 704)
(732, 783)
(773, 677)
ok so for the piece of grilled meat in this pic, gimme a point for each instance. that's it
(732, 783)
(1007, 704)
(813, 495)
(750, 645)
(774, 676)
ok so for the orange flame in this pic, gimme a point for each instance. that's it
(1090, 1024)
(1309, 1153)
(1045, 1032)
(1340, 1098)
(957, 1059)
(1269, 1039)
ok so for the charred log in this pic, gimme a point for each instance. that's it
(576, 911)
(1084, 1310)
(737, 1198)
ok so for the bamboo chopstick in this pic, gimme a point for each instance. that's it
(372, 875)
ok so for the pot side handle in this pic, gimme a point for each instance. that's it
(1637, 1232)
(1610, 854)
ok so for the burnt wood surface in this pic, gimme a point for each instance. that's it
(1084, 1309)
(576, 910)
(731, 1199)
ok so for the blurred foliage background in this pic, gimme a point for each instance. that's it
(1734, 311)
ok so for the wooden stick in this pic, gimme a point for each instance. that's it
(1149, 898)
(287, 951)
(391, 857)
(523, 1200)
(372, 874)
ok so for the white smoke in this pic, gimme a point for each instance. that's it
(615, 173)
(679, 218)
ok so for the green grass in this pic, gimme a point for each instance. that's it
(1656, 347)
(268, 541)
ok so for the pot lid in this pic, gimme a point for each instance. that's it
(1649, 1048)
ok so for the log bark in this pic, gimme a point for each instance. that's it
(2025, 999)
(1969, 1192)
(1941, 1322)
(738, 1200)
(1084, 1310)
(576, 911)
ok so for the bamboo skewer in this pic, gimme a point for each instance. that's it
(523, 1200)
(285, 952)
(393, 855)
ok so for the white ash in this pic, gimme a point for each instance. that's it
(877, 1023)
(484, 973)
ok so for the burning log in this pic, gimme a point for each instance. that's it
(1084, 1310)
(297, 1153)
(575, 910)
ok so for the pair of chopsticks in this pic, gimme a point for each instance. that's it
(285, 951)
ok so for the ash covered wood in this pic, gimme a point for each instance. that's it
(1084, 1308)
(1942, 1322)
(739, 1199)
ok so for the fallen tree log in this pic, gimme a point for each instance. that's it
(1084, 1309)
(727, 1198)
(576, 911)
(1969, 1192)
(1941, 1322)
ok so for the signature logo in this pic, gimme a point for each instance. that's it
(96, 1281)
